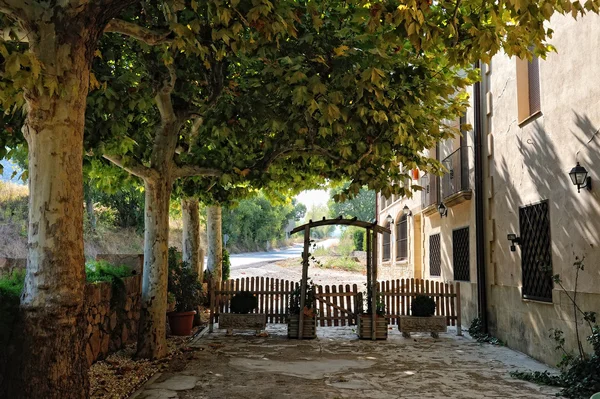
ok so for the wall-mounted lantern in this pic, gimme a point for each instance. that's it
(442, 210)
(514, 240)
(389, 219)
(406, 210)
(580, 178)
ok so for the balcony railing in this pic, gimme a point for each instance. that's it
(430, 193)
(457, 177)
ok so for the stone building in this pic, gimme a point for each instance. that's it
(532, 123)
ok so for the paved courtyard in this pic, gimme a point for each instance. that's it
(338, 365)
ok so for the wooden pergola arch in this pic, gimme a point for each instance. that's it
(372, 230)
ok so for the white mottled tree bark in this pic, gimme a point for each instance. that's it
(192, 254)
(215, 242)
(49, 353)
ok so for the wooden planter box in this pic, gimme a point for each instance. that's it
(309, 327)
(433, 325)
(364, 327)
(234, 321)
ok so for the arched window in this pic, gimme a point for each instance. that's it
(402, 238)
(387, 245)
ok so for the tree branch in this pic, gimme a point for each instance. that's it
(16, 8)
(9, 34)
(145, 35)
(133, 167)
(192, 170)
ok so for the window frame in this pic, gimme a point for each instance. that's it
(528, 78)
(454, 254)
(402, 241)
(386, 244)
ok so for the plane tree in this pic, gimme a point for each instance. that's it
(49, 76)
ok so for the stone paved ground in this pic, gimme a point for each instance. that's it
(338, 365)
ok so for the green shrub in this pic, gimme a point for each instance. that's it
(243, 303)
(476, 332)
(183, 283)
(97, 271)
(422, 306)
(11, 287)
(226, 265)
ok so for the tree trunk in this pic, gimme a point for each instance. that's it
(215, 242)
(152, 329)
(49, 354)
(192, 253)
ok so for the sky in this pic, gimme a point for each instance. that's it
(8, 170)
(313, 197)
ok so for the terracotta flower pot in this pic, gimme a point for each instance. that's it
(181, 323)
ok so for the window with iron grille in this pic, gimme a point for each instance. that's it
(387, 244)
(460, 254)
(536, 252)
(435, 256)
(402, 238)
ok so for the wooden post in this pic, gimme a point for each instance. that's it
(374, 289)
(458, 311)
(211, 287)
(369, 261)
(304, 278)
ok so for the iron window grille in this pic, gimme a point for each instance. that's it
(460, 254)
(536, 252)
(435, 255)
(402, 238)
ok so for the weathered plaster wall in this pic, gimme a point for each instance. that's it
(530, 163)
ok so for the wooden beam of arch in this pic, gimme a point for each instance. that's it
(345, 222)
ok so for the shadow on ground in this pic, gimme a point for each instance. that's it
(338, 365)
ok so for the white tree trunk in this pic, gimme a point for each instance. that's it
(215, 242)
(192, 254)
(49, 350)
(152, 331)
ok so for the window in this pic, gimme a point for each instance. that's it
(435, 256)
(387, 245)
(536, 253)
(460, 254)
(528, 88)
(402, 238)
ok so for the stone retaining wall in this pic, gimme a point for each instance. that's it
(112, 316)
(7, 265)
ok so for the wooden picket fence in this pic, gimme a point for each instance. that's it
(397, 295)
(337, 305)
(273, 296)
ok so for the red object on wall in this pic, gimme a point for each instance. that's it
(415, 174)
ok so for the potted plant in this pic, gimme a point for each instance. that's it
(241, 317)
(309, 313)
(422, 318)
(186, 289)
(365, 321)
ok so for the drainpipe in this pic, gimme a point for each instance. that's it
(479, 211)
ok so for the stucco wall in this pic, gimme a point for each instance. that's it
(530, 163)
